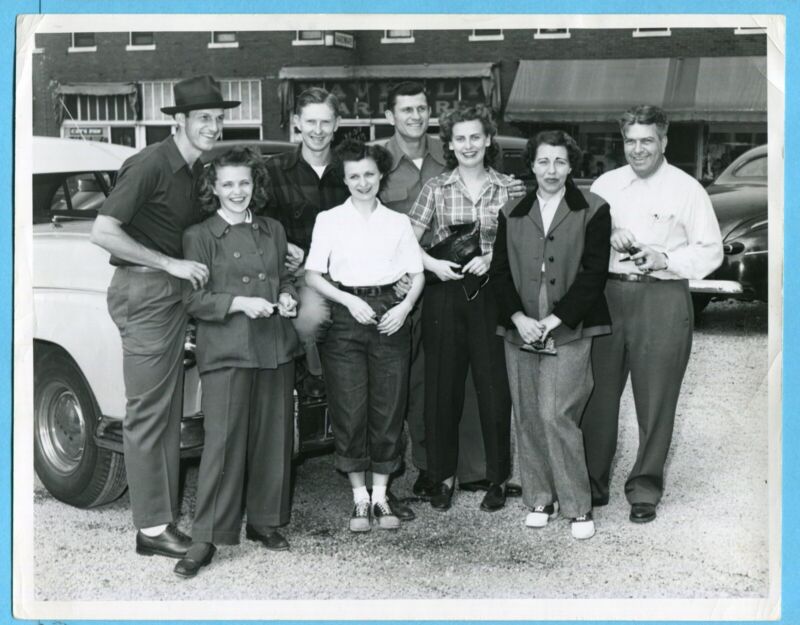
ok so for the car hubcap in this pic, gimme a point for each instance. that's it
(61, 427)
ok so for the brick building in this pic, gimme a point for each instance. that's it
(110, 85)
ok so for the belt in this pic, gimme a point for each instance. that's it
(368, 290)
(632, 277)
(140, 268)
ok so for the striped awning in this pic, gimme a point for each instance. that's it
(717, 89)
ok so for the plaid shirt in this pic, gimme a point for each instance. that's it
(295, 194)
(444, 201)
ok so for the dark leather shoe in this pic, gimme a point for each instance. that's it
(494, 499)
(442, 497)
(643, 512)
(198, 556)
(171, 543)
(423, 486)
(513, 490)
(401, 509)
(270, 538)
(599, 502)
(474, 487)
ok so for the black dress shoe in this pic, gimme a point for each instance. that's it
(442, 497)
(198, 556)
(423, 486)
(401, 509)
(643, 512)
(599, 502)
(494, 499)
(513, 490)
(314, 386)
(270, 537)
(171, 543)
(474, 487)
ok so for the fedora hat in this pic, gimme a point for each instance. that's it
(200, 92)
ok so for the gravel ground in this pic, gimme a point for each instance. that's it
(709, 540)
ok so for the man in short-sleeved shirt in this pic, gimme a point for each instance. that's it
(664, 232)
(141, 224)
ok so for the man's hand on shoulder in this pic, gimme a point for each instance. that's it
(516, 189)
(294, 257)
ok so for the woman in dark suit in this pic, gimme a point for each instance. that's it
(548, 272)
(246, 347)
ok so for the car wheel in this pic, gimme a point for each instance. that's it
(67, 460)
(699, 303)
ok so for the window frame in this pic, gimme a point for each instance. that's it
(297, 41)
(564, 33)
(223, 44)
(73, 48)
(652, 32)
(497, 37)
(133, 47)
(750, 30)
(388, 39)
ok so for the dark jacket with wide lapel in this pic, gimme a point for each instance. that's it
(575, 253)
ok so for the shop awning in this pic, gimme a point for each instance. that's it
(97, 88)
(127, 89)
(489, 73)
(689, 89)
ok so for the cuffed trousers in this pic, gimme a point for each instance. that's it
(148, 309)
(249, 430)
(652, 339)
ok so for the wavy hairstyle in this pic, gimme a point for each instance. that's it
(355, 150)
(466, 113)
(555, 138)
(645, 114)
(240, 156)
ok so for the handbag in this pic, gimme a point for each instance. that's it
(460, 246)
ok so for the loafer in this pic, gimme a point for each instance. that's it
(442, 497)
(540, 515)
(423, 486)
(513, 490)
(643, 512)
(271, 538)
(385, 517)
(198, 556)
(494, 499)
(475, 486)
(359, 518)
(171, 543)
(583, 526)
(401, 509)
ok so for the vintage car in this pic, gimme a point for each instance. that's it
(739, 197)
(79, 398)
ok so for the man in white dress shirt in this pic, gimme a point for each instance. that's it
(664, 233)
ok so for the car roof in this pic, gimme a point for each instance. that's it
(728, 174)
(54, 155)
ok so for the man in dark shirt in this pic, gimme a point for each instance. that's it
(141, 224)
(301, 184)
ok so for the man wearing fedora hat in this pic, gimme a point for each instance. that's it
(141, 225)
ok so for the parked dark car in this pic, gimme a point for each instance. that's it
(739, 197)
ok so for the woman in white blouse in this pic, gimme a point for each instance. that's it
(365, 248)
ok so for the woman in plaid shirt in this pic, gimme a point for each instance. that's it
(459, 317)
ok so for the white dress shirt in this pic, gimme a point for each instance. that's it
(669, 211)
(359, 251)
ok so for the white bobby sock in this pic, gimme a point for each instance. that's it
(378, 493)
(154, 531)
(360, 494)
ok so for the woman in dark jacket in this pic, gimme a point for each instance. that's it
(246, 347)
(548, 272)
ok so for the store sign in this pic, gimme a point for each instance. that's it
(91, 133)
(367, 98)
(343, 40)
